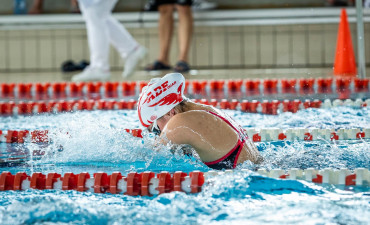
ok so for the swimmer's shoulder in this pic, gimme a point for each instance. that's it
(183, 126)
(191, 117)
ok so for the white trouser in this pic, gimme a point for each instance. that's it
(367, 4)
(103, 29)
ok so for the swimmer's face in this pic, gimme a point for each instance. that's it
(158, 125)
(154, 128)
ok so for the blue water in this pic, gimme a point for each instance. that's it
(92, 144)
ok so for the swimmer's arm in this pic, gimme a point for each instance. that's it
(253, 152)
(172, 137)
(178, 131)
(175, 133)
(173, 143)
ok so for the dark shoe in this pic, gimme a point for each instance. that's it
(68, 66)
(182, 67)
(157, 66)
(82, 65)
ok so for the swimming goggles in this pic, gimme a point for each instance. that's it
(155, 129)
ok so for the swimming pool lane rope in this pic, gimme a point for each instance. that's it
(150, 184)
(272, 107)
(301, 86)
(257, 135)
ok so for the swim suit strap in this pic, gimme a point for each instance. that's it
(237, 149)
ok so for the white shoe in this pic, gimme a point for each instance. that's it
(92, 74)
(203, 5)
(133, 60)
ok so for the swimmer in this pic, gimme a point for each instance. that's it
(219, 141)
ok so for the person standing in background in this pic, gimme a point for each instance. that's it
(20, 7)
(37, 7)
(166, 9)
(103, 29)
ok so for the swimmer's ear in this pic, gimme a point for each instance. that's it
(172, 112)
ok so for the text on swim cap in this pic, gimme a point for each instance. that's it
(158, 90)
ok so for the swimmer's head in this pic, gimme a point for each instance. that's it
(159, 97)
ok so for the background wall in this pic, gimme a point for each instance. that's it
(258, 38)
(63, 6)
(282, 46)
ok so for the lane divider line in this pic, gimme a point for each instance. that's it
(273, 107)
(151, 184)
(256, 134)
(301, 86)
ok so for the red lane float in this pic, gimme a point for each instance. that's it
(7, 90)
(144, 184)
(166, 183)
(198, 87)
(6, 181)
(25, 90)
(291, 106)
(216, 85)
(234, 85)
(150, 184)
(59, 88)
(324, 85)
(38, 181)
(251, 87)
(361, 85)
(270, 107)
(29, 108)
(306, 86)
(128, 87)
(51, 178)
(270, 86)
(288, 86)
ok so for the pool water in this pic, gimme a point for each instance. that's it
(90, 142)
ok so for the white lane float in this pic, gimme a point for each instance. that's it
(256, 134)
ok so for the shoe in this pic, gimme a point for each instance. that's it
(82, 65)
(182, 67)
(157, 65)
(133, 60)
(92, 74)
(68, 66)
(203, 5)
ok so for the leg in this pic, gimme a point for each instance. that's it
(126, 45)
(185, 30)
(95, 16)
(74, 3)
(36, 7)
(74, 7)
(165, 31)
(120, 38)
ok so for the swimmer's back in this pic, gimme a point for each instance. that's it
(203, 131)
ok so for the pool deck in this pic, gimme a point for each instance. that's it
(289, 73)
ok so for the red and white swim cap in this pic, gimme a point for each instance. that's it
(159, 97)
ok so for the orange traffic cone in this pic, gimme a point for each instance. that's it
(345, 62)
